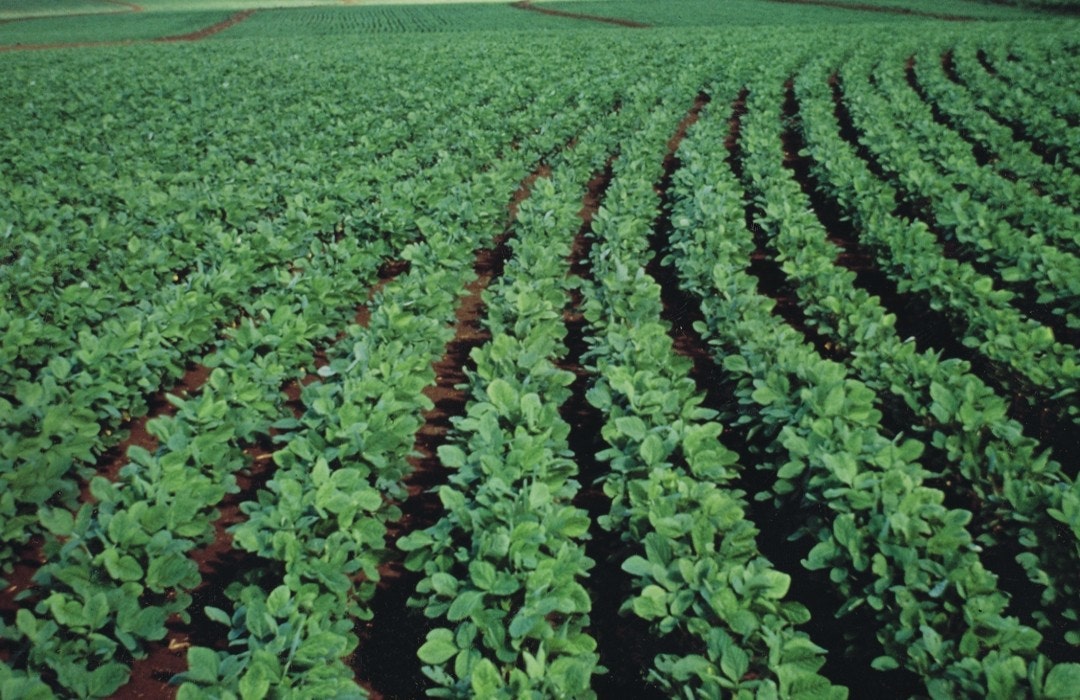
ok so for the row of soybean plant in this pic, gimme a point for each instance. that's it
(1035, 70)
(506, 566)
(152, 291)
(1025, 498)
(999, 223)
(994, 141)
(876, 524)
(322, 519)
(697, 574)
(1030, 115)
(100, 574)
(1028, 359)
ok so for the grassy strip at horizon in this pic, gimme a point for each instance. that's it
(135, 26)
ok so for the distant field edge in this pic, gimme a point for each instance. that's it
(529, 6)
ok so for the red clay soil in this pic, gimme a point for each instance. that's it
(208, 31)
(526, 5)
(878, 8)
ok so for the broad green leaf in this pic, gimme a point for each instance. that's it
(438, 648)
(202, 665)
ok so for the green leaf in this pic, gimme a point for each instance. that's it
(734, 662)
(58, 521)
(121, 568)
(637, 566)
(466, 603)
(652, 450)
(202, 665)
(217, 615)
(503, 396)
(652, 603)
(632, 427)
(107, 679)
(485, 679)
(451, 456)
(255, 684)
(438, 648)
(1062, 682)
(884, 663)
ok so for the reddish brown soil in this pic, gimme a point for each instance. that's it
(158, 406)
(626, 646)
(526, 5)
(208, 31)
(884, 10)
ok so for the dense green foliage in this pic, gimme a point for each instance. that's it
(827, 503)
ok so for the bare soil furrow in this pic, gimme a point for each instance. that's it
(624, 642)
(220, 564)
(208, 31)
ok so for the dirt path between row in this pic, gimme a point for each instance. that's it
(207, 31)
(178, 38)
(526, 5)
(880, 9)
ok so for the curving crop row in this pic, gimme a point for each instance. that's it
(884, 535)
(697, 573)
(1008, 157)
(1020, 110)
(505, 567)
(1002, 223)
(1023, 494)
(910, 254)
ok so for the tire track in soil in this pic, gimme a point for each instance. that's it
(860, 7)
(932, 330)
(178, 38)
(207, 31)
(219, 563)
(385, 660)
(527, 5)
(682, 309)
